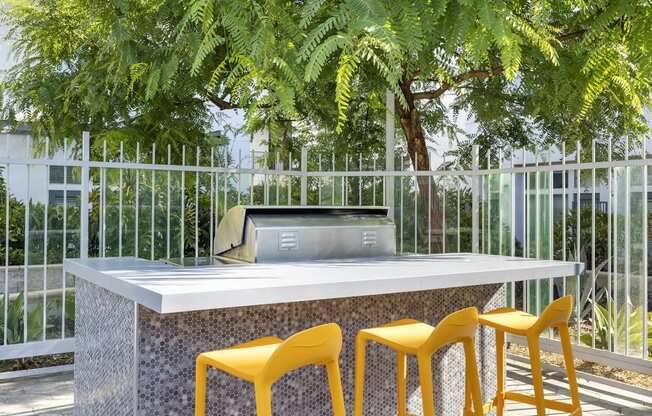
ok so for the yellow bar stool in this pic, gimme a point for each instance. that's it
(409, 336)
(265, 360)
(517, 322)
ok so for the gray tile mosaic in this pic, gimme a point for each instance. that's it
(105, 370)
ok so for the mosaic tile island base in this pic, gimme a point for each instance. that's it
(131, 360)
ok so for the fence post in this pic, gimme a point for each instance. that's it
(389, 150)
(85, 178)
(475, 200)
(304, 176)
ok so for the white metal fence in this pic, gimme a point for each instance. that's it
(125, 200)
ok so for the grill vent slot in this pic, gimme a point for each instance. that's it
(288, 240)
(369, 238)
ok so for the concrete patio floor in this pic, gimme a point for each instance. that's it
(53, 395)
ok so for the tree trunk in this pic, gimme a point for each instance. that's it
(416, 143)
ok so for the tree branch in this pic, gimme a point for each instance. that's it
(436, 93)
(221, 103)
(571, 36)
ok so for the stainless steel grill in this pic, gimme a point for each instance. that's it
(276, 234)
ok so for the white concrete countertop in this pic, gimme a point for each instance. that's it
(167, 289)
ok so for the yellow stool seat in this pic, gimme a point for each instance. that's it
(263, 361)
(244, 361)
(409, 336)
(513, 321)
(403, 335)
(509, 320)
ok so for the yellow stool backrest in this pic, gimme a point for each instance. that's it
(555, 314)
(456, 327)
(317, 345)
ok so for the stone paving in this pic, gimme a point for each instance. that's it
(52, 395)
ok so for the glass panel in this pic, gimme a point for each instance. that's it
(636, 315)
(586, 256)
(505, 214)
(619, 276)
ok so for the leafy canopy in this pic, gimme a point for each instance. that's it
(523, 70)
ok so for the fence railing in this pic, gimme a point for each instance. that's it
(119, 200)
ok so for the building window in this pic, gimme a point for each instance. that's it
(56, 175)
(57, 197)
(557, 182)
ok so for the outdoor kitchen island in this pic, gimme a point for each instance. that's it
(140, 325)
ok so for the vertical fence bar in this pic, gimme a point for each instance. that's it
(197, 157)
(278, 177)
(459, 212)
(304, 176)
(217, 192)
(319, 180)
(512, 223)
(373, 188)
(211, 230)
(102, 201)
(240, 174)
(443, 215)
(152, 207)
(402, 207)
(390, 133)
(563, 206)
(578, 293)
(85, 191)
(226, 182)
(360, 180)
(429, 214)
(290, 178)
(64, 253)
(345, 182)
(537, 226)
(45, 241)
(610, 211)
(266, 179)
(616, 230)
(628, 224)
(120, 196)
(28, 202)
(645, 254)
(182, 240)
(475, 200)
(169, 205)
(526, 228)
(252, 178)
(333, 187)
(137, 203)
(551, 236)
(593, 271)
(7, 210)
(416, 203)
(488, 216)
(500, 205)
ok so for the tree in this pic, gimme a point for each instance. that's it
(564, 68)
(115, 69)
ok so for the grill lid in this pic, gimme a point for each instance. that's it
(268, 234)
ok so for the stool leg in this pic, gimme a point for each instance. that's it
(263, 399)
(401, 376)
(200, 389)
(537, 377)
(360, 345)
(335, 386)
(473, 386)
(570, 366)
(425, 379)
(500, 373)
